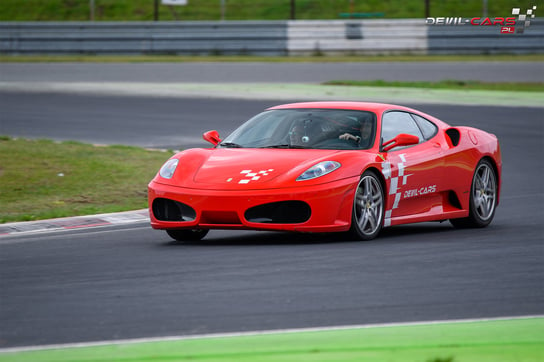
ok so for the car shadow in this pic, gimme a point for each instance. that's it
(249, 238)
(262, 238)
(416, 229)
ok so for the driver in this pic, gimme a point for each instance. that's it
(365, 130)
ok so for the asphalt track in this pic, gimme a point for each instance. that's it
(129, 281)
(314, 72)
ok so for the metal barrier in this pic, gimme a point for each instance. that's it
(468, 39)
(312, 37)
(401, 36)
(189, 38)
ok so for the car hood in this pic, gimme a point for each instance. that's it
(244, 169)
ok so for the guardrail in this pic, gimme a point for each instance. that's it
(376, 36)
(191, 38)
(485, 40)
(357, 37)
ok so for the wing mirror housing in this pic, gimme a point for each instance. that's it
(402, 139)
(212, 137)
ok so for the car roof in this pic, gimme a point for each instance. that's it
(361, 106)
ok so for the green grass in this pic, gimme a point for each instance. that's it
(42, 179)
(282, 59)
(515, 340)
(143, 10)
(445, 84)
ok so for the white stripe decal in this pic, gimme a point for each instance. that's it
(394, 188)
(387, 220)
(386, 169)
(394, 184)
(397, 199)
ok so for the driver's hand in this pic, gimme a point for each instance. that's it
(347, 136)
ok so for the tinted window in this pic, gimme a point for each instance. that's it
(428, 128)
(395, 123)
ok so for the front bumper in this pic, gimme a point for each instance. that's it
(329, 205)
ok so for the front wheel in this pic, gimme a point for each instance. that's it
(368, 207)
(483, 198)
(187, 235)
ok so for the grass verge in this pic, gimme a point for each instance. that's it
(138, 10)
(507, 340)
(42, 179)
(445, 84)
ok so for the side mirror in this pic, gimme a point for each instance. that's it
(402, 139)
(212, 137)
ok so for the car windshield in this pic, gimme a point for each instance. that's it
(336, 129)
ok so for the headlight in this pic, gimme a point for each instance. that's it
(318, 170)
(167, 170)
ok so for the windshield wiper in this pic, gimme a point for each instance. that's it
(230, 145)
(285, 145)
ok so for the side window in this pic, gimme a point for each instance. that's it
(428, 128)
(394, 123)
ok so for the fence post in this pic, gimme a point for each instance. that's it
(91, 10)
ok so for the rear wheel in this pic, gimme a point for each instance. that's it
(368, 207)
(483, 198)
(187, 235)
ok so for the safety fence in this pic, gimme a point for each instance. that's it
(303, 37)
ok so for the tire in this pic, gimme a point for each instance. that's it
(483, 198)
(368, 208)
(187, 235)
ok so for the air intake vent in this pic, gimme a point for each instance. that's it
(170, 210)
(454, 136)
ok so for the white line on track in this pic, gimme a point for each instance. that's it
(254, 333)
(36, 236)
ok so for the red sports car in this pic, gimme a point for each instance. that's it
(330, 167)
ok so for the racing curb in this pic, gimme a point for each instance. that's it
(76, 222)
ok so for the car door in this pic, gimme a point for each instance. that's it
(414, 171)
